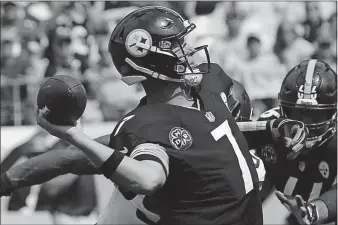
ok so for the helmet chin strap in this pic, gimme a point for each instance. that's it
(151, 72)
(190, 79)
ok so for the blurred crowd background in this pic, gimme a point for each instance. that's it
(256, 43)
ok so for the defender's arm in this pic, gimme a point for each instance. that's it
(47, 166)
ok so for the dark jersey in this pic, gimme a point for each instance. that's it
(309, 175)
(211, 176)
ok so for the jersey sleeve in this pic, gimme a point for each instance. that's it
(126, 138)
(257, 138)
(154, 152)
(217, 80)
(225, 79)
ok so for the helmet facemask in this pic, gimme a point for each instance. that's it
(320, 122)
(172, 49)
(309, 94)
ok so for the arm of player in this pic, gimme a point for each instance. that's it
(141, 177)
(326, 206)
(318, 211)
(253, 132)
(47, 166)
(291, 133)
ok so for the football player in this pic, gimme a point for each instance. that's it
(184, 118)
(62, 161)
(306, 182)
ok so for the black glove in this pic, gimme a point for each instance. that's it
(291, 133)
(5, 186)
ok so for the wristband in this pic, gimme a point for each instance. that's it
(111, 164)
(329, 198)
(314, 217)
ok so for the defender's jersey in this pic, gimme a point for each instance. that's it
(211, 175)
(309, 175)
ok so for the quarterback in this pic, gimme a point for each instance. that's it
(58, 161)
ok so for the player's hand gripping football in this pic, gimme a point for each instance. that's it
(304, 212)
(291, 133)
(60, 131)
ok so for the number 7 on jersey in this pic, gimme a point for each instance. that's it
(218, 133)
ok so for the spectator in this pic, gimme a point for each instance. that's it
(290, 47)
(203, 17)
(324, 50)
(262, 75)
(234, 20)
(10, 14)
(333, 29)
(15, 62)
(58, 51)
(313, 21)
(229, 50)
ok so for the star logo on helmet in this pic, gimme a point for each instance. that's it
(143, 41)
(137, 43)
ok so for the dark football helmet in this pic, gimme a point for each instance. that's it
(149, 42)
(309, 94)
(239, 102)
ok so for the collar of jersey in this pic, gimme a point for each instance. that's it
(195, 106)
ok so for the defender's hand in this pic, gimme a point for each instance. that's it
(60, 131)
(5, 186)
(292, 132)
(304, 212)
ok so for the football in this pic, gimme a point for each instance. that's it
(62, 99)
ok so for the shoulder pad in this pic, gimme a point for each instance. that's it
(270, 114)
(216, 80)
(149, 123)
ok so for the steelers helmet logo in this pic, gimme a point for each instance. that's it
(137, 42)
(180, 138)
(324, 169)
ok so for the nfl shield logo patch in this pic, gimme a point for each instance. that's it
(210, 116)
